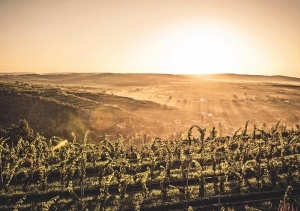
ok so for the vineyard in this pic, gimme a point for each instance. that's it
(251, 170)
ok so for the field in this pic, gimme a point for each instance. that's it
(255, 170)
(149, 142)
(135, 105)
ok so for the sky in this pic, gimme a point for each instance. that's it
(260, 37)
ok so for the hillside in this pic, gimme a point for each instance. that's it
(63, 112)
(151, 104)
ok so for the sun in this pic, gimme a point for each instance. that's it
(196, 48)
(206, 51)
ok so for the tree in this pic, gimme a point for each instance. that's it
(16, 132)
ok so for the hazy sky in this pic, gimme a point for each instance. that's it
(172, 36)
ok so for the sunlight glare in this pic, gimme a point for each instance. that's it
(199, 48)
(204, 52)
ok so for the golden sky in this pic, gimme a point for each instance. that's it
(156, 36)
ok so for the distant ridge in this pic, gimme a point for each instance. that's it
(18, 73)
(153, 76)
(233, 76)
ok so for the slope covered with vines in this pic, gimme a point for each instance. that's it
(248, 170)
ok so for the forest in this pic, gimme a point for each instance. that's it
(254, 169)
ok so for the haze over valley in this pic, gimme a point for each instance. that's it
(146, 105)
